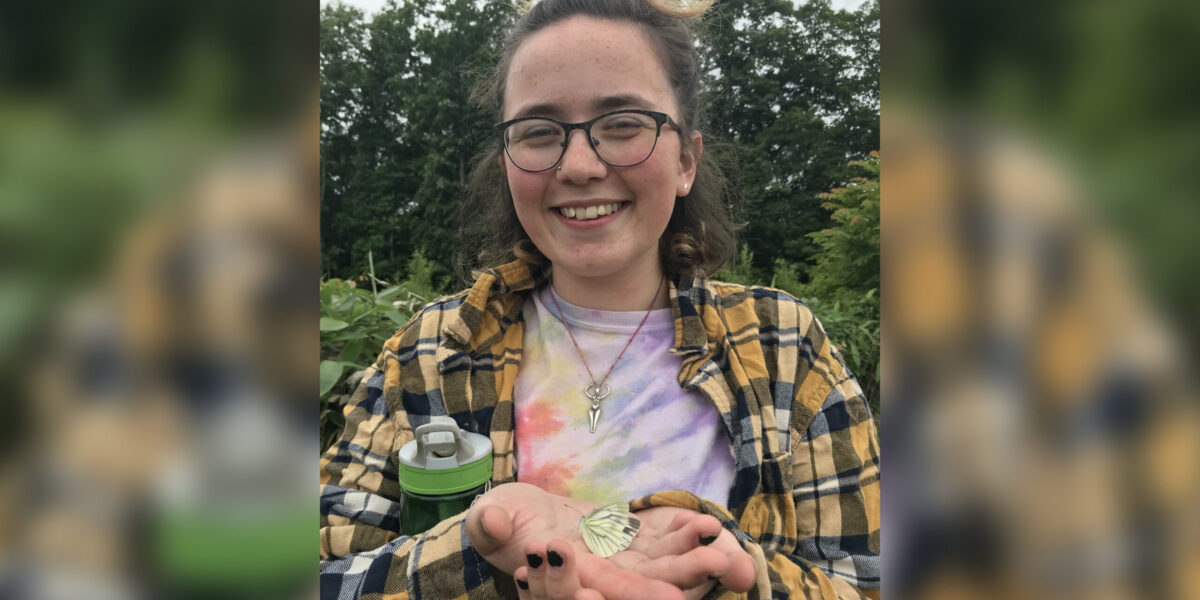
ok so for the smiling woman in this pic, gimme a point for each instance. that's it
(602, 363)
(610, 262)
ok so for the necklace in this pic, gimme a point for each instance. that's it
(597, 391)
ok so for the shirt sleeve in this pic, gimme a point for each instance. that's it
(831, 550)
(363, 554)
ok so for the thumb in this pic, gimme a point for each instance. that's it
(489, 528)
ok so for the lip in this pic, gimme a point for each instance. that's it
(590, 223)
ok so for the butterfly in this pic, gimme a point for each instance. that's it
(608, 529)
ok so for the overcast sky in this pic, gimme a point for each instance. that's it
(370, 6)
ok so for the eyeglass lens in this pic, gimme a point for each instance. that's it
(620, 139)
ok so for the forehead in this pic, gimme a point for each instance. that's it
(575, 65)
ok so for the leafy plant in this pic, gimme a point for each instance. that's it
(843, 289)
(355, 323)
(741, 270)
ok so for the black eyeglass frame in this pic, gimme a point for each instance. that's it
(660, 118)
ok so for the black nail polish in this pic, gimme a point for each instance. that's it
(555, 559)
(521, 583)
(714, 577)
(534, 560)
(706, 540)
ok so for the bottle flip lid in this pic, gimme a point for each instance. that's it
(443, 459)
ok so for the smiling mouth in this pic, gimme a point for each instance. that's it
(580, 213)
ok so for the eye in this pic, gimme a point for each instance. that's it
(623, 122)
(539, 131)
(535, 133)
(623, 126)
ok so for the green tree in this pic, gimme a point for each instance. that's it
(843, 290)
(848, 261)
(343, 43)
(795, 90)
(399, 133)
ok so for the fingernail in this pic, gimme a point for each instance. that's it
(534, 560)
(706, 540)
(554, 558)
(521, 583)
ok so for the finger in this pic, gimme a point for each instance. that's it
(682, 518)
(588, 594)
(535, 569)
(521, 577)
(489, 527)
(562, 577)
(612, 581)
(741, 576)
(684, 571)
(693, 531)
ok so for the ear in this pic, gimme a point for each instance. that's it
(688, 159)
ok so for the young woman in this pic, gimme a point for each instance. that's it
(604, 366)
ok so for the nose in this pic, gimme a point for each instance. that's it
(579, 161)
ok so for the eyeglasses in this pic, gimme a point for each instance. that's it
(621, 138)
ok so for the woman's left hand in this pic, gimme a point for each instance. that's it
(669, 533)
(676, 545)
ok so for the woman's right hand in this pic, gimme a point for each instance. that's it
(512, 520)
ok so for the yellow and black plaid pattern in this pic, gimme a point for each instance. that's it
(805, 497)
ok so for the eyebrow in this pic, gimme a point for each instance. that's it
(600, 104)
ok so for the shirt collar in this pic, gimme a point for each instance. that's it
(495, 299)
(493, 302)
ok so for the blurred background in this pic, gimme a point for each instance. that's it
(1040, 299)
(158, 340)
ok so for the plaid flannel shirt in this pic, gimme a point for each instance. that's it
(805, 498)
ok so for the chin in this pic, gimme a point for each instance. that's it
(598, 270)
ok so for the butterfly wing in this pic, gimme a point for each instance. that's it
(609, 529)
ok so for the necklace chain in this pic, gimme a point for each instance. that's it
(598, 391)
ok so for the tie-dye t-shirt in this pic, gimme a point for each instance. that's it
(652, 435)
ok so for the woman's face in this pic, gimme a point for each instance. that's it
(573, 71)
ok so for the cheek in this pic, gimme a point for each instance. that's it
(526, 192)
(657, 181)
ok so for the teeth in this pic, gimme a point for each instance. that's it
(591, 212)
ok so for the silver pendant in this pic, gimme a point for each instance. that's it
(593, 417)
(596, 394)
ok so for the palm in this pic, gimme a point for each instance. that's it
(536, 515)
(663, 559)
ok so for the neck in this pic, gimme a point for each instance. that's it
(617, 293)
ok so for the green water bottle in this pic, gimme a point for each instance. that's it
(441, 472)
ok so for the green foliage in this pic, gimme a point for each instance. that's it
(741, 271)
(795, 92)
(420, 276)
(844, 286)
(355, 323)
(398, 131)
(849, 250)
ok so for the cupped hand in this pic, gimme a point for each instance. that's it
(516, 520)
(504, 520)
(676, 533)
